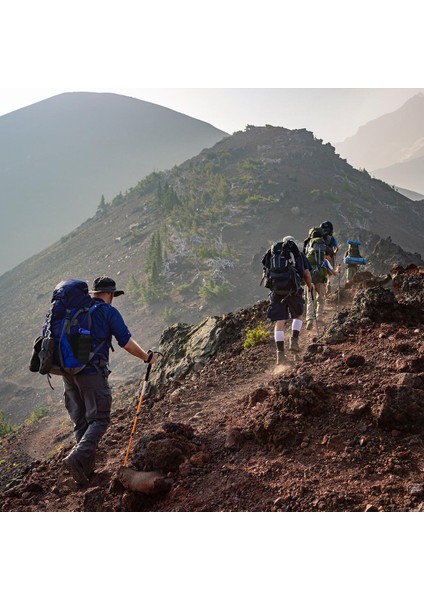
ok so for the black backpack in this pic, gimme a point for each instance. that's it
(280, 273)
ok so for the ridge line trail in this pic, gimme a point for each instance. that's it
(217, 406)
(202, 404)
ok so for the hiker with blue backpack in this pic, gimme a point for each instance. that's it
(285, 270)
(75, 343)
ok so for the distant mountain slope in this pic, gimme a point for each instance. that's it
(392, 146)
(58, 156)
(187, 243)
(408, 174)
(410, 194)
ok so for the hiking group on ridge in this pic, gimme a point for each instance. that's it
(286, 270)
(77, 333)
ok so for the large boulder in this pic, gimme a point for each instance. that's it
(188, 348)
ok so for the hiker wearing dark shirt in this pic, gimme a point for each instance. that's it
(291, 307)
(88, 397)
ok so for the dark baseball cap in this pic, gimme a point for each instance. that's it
(105, 284)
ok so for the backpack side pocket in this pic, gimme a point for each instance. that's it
(45, 355)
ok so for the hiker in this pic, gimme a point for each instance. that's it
(310, 236)
(88, 397)
(325, 230)
(286, 300)
(329, 239)
(353, 259)
(316, 302)
(332, 246)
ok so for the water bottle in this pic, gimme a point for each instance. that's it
(83, 348)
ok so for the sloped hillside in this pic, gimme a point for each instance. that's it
(59, 156)
(188, 242)
(340, 429)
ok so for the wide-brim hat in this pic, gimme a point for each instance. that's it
(107, 285)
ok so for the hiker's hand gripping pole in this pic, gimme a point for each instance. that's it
(140, 402)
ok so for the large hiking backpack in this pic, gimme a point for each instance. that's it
(65, 345)
(280, 273)
(315, 253)
(314, 232)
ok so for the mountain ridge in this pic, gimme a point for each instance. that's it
(60, 155)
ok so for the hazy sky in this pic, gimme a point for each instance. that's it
(332, 114)
(230, 65)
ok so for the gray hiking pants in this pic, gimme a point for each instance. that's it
(316, 307)
(88, 400)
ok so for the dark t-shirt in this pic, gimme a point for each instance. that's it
(106, 322)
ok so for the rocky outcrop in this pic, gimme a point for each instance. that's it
(380, 305)
(188, 348)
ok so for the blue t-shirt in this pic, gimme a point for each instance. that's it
(106, 322)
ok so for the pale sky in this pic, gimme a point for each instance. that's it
(332, 113)
(229, 64)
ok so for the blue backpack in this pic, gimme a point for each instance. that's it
(66, 342)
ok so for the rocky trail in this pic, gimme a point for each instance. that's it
(339, 429)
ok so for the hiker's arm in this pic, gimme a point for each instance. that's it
(331, 270)
(133, 348)
(307, 277)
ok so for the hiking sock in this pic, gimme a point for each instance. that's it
(279, 340)
(296, 327)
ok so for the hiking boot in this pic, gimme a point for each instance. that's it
(75, 469)
(294, 345)
(309, 325)
(281, 358)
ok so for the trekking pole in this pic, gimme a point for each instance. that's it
(143, 393)
(315, 312)
(338, 291)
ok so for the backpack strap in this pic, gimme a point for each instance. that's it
(67, 324)
(103, 342)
